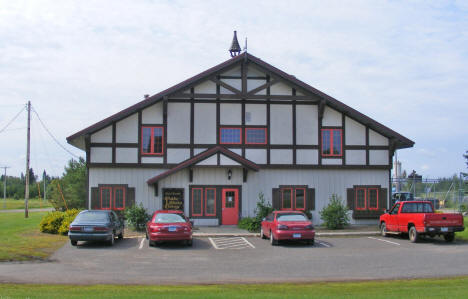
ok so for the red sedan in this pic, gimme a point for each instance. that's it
(287, 225)
(167, 225)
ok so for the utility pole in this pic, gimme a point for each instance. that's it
(4, 187)
(26, 195)
(44, 181)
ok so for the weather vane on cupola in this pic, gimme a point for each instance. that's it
(235, 47)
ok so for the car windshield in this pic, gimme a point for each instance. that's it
(168, 218)
(417, 207)
(92, 217)
(291, 217)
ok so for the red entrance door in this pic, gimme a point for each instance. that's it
(230, 207)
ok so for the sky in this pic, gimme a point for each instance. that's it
(402, 63)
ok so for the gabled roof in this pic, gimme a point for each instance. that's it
(400, 141)
(203, 156)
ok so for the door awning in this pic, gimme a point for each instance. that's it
(203, 156)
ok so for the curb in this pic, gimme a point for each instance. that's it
(318, 234)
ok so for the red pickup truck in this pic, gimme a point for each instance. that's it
(418, 218)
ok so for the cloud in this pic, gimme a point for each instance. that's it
(402, 63)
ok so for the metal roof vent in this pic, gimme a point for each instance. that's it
(235, 47)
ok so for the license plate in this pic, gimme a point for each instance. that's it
(444, 229)
(87, 229)
(172, 228)
(296, 235)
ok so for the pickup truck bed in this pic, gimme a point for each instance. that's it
(418, 218)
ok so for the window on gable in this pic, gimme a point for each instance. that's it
(152, 140)
(230, 135)
(331, 143)
(255, 136)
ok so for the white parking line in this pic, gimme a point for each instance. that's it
(141, 243)
(251, 245)
(394, 243)
(323, 244)
(230, 243)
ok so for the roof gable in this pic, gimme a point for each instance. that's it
(231, 70)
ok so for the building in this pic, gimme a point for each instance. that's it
(211, 144)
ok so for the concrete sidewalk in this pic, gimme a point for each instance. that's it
(234, 231)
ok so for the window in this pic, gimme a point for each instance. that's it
(106, 195)
(367, 198)
(152, 140)
(293, 199)
(197, 201)
(255, 136)
(230, 135)
(119, 198)
(112, 197)
(417, 207)
(331, 143)
(360, 199)
(204, 201)
(210, 202)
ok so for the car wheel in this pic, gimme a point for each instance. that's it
(189, 242)
(262, 234)
(383, 229)
(121, 235)
(151, 243)
(310, 242)
(112, 240)
(413, 235)
(146, 236)
(74, 243)
(449, 237)
(273, 241)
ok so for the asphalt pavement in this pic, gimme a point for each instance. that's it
(251, 260)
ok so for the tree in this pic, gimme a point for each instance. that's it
(72, 186)
(466, 157)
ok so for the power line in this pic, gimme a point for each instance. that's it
(12, 120)
(52, 136)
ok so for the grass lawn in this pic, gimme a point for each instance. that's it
(456, 287)
(20, 238)
(35, 203)
(464, 234)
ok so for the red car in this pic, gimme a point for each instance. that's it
(287, 225)
(167, 225)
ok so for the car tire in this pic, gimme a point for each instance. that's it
(151, 243)
(413, 234)
(112, 240)
(189, 242)
(74, 243)
(383, 229)
(262, 234)
(273, 241)
(121, 235)
(310, 242)
(449, 237)
(146, 236)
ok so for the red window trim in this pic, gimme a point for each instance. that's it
(201, 202)
(282, 199)
(152, 153)
(206, 200)
(123, 198)
(110, 198)
(331, 143)
(377, 192)
(295, 199)
(236, 128)
(365, 199)
(263, 129)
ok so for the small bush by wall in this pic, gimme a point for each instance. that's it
(137, 217)
(335, 215)
(253, 224)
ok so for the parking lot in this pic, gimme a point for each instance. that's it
(229, 260)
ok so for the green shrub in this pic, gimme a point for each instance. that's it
(137, 217)
(57, 222)
(335, 213)
(253, 224)
(51, 222)
(68, 218)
